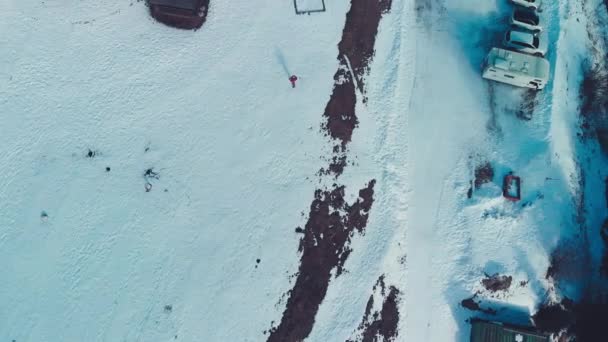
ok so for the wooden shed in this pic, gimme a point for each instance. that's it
(485, 331)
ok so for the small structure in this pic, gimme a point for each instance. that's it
(485, 331)
(309, 6)
(515, 68)
(184, 14)
(511, 187)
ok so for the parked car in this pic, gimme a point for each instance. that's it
(185, 14)
(534, 4)
(526, 42)
(526, 18)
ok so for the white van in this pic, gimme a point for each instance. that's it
(516, 68)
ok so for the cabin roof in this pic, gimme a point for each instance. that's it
(519, 62)
(483, 331)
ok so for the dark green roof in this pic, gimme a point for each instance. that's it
(483, 331)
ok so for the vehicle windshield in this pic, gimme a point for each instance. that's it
(527, 17)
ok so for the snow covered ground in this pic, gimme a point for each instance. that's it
(235, 146)
(208, 253)
(436, 120)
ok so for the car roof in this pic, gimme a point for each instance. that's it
(521, 14)
(522, 36)
(183, 4)
(525, 12)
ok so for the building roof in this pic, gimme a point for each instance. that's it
(182, 4)
(519, 62)
(483, 331)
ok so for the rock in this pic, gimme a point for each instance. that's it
(497, 282)
(483, 174)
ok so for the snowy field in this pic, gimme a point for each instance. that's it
(309, 5)
(95, 94)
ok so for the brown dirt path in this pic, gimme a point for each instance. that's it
(380, 325)
(332, 222)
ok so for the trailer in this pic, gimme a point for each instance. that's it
(516, 68)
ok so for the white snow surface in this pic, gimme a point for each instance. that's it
(237, 150)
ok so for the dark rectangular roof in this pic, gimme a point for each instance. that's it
(183, 4)
(483, 331)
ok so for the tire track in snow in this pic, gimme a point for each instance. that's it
(388, 106)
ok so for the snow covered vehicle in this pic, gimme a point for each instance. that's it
(526, 42)
(516, 68)
(526, 19)
(534, 4)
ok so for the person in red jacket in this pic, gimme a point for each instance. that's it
(293, 79)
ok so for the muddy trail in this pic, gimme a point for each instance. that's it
(382, 322)
(332, 222)
(356, 50)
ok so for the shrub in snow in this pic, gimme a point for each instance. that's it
(594, 91)
(594, 109)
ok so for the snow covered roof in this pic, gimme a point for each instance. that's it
(519, 62)
(183, 4)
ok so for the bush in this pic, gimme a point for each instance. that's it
(594, 92)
